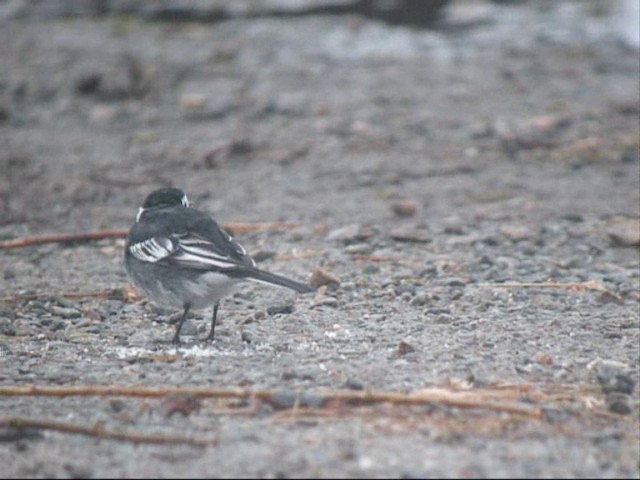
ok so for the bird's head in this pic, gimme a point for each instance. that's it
(163, 198)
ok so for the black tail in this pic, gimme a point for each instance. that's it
(273, 279)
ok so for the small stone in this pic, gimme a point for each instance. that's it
(353, 384)
(282, 308)
(619, 403)
(515, 232)
(262, 255)
(361, 248)
(327, 302)
(403, 288)
(179, 403)
(404, 348)
(193, 101)
(625, 233)
(454, 229)
(117, 405)
(409, 235)
(420, 300)
(93, 329)
(543, 358)
(58, 324)
(79, 469)
(64, 312)
(613, 376)
(88, 84)
(404, 208)
(7, 328)
(354, 232)
(443, 319)
(321, 277)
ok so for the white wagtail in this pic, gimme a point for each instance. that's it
(181, 258)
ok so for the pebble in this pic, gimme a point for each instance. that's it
(443, 319)
(612, 376)
(543, 358)
(625, 233)
(350, 233)
(7, 328)
(321, 277)
(64, 312)
(353, 384)
(179, 403)
(192, 101)
(409, 235)
(361, 248)
(283, 308)
(57, 324)
(95, 329)
(404, 348)
(117, 404)
(619, 403)
(516, 233)
(404, 208)
(403, 288)
(326, 302)
(421, 300)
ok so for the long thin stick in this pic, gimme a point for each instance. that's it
(428, 396)
(109, 293)
(62, 238)
(99, 432)
(232, 227)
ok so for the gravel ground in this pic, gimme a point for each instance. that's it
(471, 189)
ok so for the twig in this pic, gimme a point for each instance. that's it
(99, 432)
(243, 227)
(428, 396)
(62, 238)
(110, 293)
(573, 286)
(232, 227)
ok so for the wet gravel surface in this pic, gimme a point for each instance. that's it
(470, 189)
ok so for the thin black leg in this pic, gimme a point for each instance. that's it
(176, 336)
(213, 323)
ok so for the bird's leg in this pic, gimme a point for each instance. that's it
(176, 336)
(213, 323)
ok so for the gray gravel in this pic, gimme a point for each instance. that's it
(422, 166)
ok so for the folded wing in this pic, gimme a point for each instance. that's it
(191, 251)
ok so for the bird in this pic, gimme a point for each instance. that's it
(182, 259)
